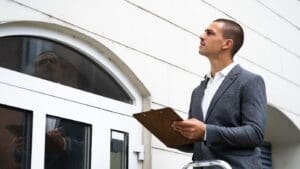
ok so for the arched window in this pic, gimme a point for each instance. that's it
(58, 63)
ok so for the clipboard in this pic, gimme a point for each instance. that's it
(159, 123)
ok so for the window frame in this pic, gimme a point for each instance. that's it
(102, 122)
(28, 116)
(126, 146)
(93, 52)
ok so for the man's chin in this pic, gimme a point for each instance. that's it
(201, 53)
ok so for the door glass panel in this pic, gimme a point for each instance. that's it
(59, 63)
(119, 150)
(15, 138)
(68, 144)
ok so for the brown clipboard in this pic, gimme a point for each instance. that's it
(159, 123)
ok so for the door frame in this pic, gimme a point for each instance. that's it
(21, 91)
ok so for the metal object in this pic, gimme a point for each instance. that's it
(219, 163)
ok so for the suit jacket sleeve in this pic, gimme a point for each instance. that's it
(253, 118)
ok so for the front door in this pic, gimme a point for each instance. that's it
(64, 106)
(50, 125)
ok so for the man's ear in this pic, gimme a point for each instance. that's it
(228, 44)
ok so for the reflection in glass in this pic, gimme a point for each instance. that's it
(67, 144)
(15, 138)
(119, 150)
(58, 63)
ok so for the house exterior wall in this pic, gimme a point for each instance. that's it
(158, 40)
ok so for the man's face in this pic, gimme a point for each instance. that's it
(211, 41)
(47, 67)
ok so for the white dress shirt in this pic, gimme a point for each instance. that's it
(212, 86)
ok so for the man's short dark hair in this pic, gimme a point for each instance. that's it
(234, 31)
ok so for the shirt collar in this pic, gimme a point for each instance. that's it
(228, 68)
(224, 72)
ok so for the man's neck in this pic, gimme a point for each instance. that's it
(217, 65)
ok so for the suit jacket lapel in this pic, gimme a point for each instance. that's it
(229, 79)
(200, 97)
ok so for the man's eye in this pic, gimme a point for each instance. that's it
(47, 61)
(209, 33)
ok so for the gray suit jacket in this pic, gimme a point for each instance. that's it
(235, 120)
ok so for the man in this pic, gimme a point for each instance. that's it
(50, 66)
(64, 144)
(227, 113)
(64, 138)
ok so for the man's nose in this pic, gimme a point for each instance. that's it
(201, 37)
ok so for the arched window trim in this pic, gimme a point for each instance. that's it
(79, 42)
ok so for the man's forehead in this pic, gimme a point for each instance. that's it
(47, 56)
(215, 26)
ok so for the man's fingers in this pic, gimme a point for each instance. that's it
(188, 135)
(191, 128)
(184, 129)
(186, 123)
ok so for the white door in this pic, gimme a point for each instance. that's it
(109, 134)
(90, 130)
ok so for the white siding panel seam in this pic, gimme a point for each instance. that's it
(280, 16)
(144, 53)
(274, 73)
(171, 151)
(21, 4)
(160, 17)
(261, 34)
(109, 39)
(163, 105)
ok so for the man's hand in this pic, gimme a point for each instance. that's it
(57, 137)
(192, 129)
(18, 141)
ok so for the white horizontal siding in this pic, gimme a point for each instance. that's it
(258, 47)
(168, 85)
(262, 20)
(9, 8)
(127, 24)
(264, 53)
(280, 92)
(165, 160)
(288, 10)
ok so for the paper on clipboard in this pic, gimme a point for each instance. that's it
(159, 123)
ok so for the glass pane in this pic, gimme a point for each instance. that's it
(68, 144)
(59, 63)
(15, 138)
(119, 150)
